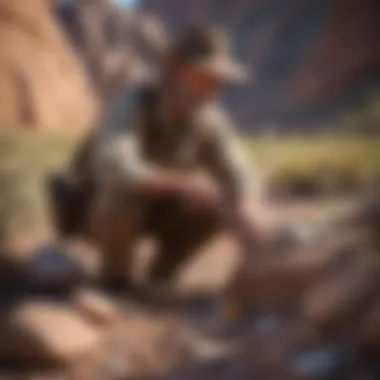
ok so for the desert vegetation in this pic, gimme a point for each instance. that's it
(299, 166)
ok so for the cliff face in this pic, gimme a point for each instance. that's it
(118, 47)
(311, 58)
(42, 83)
(347, 51)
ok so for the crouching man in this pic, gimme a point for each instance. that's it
(144, 182)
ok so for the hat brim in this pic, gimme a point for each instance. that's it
(226, 70)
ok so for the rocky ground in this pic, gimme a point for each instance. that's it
(308, 308)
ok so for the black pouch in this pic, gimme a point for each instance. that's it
(70, 202)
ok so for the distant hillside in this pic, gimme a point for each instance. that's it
(313, 59)
(119, 47)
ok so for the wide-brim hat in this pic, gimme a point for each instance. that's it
(209, 49)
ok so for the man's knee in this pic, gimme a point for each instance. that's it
(177, 210)
(180, 240)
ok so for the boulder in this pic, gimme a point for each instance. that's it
(319, 363)
(293, 235)
(43, 333)
(307, 57)
(95, 306)
(275, 280)
(338, 296)
(142, 345)
(42, 83)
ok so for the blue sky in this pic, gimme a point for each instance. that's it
(127, 2)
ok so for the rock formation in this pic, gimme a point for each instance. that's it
(308, 313)
(42, 83)
(119, 47)
(310, 58)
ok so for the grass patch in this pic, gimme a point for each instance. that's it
(338, 162)
(304, 155)
(25, 161)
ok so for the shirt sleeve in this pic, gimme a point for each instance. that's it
(225, 159)
(118, 163)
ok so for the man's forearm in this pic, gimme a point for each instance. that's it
(242, 224)
(161, 183)
(195, 193)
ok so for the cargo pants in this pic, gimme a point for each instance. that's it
(120, 221)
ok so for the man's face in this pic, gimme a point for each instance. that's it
(201, 84)
(189, 86)
(197, 84)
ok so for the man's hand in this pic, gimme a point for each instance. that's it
(250, 224)
(195, 192)
(201, 195)
(244, 226)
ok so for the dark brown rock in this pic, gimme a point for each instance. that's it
(338, 297)
(369, 328)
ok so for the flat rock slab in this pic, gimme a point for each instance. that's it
(41, 332)
(340, 295)
(96, 306)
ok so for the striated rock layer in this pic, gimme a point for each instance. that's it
(119, 47)
(42, 83)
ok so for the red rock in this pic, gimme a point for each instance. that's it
(95, 306)
(275, 280)
(337, 297)
(351, 21)
(303, 53)
(51, 90)
(39, 332)
(268, 353)
(143, 345)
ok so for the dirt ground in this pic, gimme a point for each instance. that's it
(216, 263)
(179, 335)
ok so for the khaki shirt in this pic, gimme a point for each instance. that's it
(206, 141)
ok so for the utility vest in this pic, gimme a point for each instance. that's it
(169, 145)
